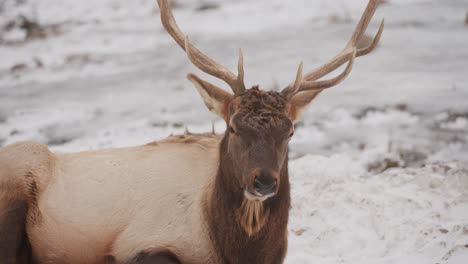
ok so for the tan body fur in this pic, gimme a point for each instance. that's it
(113, 204)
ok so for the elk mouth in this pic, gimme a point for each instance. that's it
(256, 196)
(262, 184)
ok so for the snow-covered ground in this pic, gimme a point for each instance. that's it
(379, 166)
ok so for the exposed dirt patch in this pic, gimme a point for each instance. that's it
(81, 59)
(399, 107)
(443, 231)
(412, 24)
(58, 141)
(19, 67)
(402, 159)
(383, 165)
(15, 132)
(206, 7)
(451, 121)
(453, 116)
(60, 134)
(24, 67)
(3, 118)
(32, 30)
(338, 19)
(299, 232)
(364, 112)
(166, 124)
(412, 158)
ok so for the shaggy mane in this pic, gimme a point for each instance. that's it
(252, 216)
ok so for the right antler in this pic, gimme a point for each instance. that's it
(310, 83)
(198, 58)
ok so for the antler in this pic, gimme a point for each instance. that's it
(198, 58)
(349, 53)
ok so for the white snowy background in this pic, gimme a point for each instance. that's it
(379, 164)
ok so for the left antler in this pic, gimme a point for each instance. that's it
(349, 53)
(198, 58)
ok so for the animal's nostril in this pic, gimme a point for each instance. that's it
(264, 184)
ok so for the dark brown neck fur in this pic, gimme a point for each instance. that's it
(231, 242)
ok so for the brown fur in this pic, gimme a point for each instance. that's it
(19, 194)
(237, 243)
(164, 257)
(14, 243)
(259, 109)
(252, 216)
(184, 139)
(245, 231)
(32, 194)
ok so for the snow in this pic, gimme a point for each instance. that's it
(378, 165)
(400, 216)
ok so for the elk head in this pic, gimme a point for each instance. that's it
(261, 123)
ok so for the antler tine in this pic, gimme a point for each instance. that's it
(198, 58)
(357, 34)
(375, 41)
(322, 85)
(240, 71)
(363, 22)
(292, 89)
(349, 53)
(339, 60)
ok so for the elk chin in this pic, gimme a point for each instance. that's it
(252, 215)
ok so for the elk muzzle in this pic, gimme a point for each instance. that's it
(263, 184)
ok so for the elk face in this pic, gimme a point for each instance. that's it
(258, 134)
(259, 128)
(259, 123)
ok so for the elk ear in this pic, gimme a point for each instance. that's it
(216, 99)
(299, 102)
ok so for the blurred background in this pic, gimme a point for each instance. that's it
(379, 163)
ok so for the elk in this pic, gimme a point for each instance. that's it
(194, 198)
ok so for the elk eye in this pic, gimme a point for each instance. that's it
(292, 134)
(232, 130)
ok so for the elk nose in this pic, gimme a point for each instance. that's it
(265, 183)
